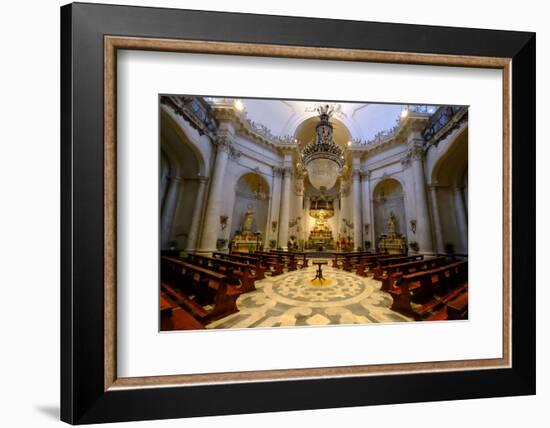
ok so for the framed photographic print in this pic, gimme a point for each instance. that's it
(265, 213)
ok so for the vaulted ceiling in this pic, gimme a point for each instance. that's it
(298, 118)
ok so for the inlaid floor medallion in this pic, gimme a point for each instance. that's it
(295, 299)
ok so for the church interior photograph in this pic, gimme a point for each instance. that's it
(295, 213)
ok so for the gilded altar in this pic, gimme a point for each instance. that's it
(245, 240)
(321, 234)
(392, 242)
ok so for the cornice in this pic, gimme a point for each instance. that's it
(256, 132)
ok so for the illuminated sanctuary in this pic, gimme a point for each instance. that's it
(285, 180)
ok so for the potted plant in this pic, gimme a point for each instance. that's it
(449, 248)
(220, 243)
(414, 246)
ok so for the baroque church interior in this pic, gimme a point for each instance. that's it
(300, 213)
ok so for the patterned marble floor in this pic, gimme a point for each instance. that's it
(292, 299)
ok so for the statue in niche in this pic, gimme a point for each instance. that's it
(391, 224)
(248, 221)
(392, 242)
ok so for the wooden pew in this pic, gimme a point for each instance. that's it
(457, 309)
(379, 270)
(174, 317)
(365, 263)
(391, 272)
(255, 262)
(300, 256)
(421, 294)
(203, 292)
(270, 263)
(286, 259)
(238, 274)
(343, 256)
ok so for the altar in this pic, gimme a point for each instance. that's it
(320, 235)
(392, 242)
(245, 240)
(245, 246)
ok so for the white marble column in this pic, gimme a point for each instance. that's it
(367, 218)
(344, 191)
(423, 229)
(275, 204)
(305, 219)
(169, 208)
(299, 211)
(357, 219)
(197, 211)
(285, 208)
(213, 208)
(440, 247)
(461, 219)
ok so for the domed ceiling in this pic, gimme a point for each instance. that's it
(353, 121)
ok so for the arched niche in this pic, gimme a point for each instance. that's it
(251, 193)
(388, 196)
(449, 177)
(180, 166)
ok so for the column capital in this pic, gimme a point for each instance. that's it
(356, 173)
(416, 148)
(366, 174)
(225, 142)
(406, 160)
(287, 171)
(277, 171)
(202, 178)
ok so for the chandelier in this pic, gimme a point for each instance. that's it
(323, 159)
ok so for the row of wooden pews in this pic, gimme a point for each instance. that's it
(300, 257)
(174, 317)
(282, 260)
(239, 274)
(206, 295)
(347, 260)
(255, 262)
(438, 290)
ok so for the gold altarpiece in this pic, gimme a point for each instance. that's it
(392, 242)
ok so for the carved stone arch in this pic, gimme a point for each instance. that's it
(258, 173)
(180, 190)
(452, 159)
(449, 193)
(175, 137)
(252, 191)
(388, 195)
(312, 118)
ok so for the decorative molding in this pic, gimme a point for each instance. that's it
(224, 110)
(194, 110)
(224, 143)
(417, 152)
(445, 121)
